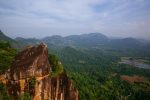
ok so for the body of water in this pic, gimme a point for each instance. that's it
(136, 63)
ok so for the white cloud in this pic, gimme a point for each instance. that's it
(74, 17)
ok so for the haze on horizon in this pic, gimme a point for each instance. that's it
(41, 18)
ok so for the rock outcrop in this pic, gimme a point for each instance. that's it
(30, 73)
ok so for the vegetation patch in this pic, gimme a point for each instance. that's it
(7, 55)
(25, 96)
(32, 82)
(56, 65)
(3, 92)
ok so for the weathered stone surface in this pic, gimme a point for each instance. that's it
(55, 88)
(33, 62)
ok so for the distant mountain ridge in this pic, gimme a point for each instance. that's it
(89, 41)
(85, 40)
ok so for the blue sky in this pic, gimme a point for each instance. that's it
(40, 18)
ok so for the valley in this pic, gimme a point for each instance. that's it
(96, 72)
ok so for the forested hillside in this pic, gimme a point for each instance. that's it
(94, 69)
(98, 76)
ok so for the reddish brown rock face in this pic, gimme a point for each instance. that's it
(55, 88)
(33, 62)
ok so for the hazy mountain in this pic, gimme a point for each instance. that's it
(87, 41)
(28, 41)
(13, 43)
(126, 42)
(54, 40)
(92, 39)
(3, 37)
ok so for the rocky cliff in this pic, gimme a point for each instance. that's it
(30, 73)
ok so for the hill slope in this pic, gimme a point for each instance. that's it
(32, 73)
